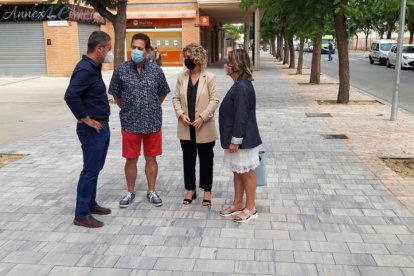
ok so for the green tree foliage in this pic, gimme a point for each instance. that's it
(234, 30)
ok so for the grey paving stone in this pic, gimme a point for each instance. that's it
(160, 251)
(342, 270)
(60, 259)
(293, 269)
(368, 248)
(313, 257)
(400, 249)
(274, 256)
(343, 237)
(98, 261)
(255, 267)
(198, 252)
(65, 270)
(254, 244)
(136, 262)
(333, 247)
(380, 271)
(291, 245)
(109, 272)
(354, 259)
(21, 257)
(222, 266)
(6, 267)
(394, 260)
(235, 254)
(307, 236)
(380, 238)
(174, 264)
(408, 271)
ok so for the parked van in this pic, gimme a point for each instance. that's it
(325, 44)
(380, 49)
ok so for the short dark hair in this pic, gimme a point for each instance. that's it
(144, 37)
(97, 37)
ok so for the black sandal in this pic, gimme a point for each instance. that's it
(187, 201)
(206, 202)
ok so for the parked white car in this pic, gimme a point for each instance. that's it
(407, 56)
(380, 49)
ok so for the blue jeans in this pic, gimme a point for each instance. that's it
(330, 54)
(94, 147)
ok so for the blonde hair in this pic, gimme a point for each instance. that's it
(198, 54)
(241, 58)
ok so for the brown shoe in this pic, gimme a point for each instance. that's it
(89, 222)
(99, 210)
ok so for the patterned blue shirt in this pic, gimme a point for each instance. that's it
(140, 93)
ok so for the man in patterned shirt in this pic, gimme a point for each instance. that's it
(139, 87)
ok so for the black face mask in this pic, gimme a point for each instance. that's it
(189, 63)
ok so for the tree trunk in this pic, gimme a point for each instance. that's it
(277, 45)
(286, 49)
(366, 41)
(246, 37)
(279, 54)
(300, 58)
(120, 33)
(410, 27)
(342, 43)
(272, 44)
(356, 45)
(389, 33)
(315, 76)
(411, 38)
(119, 23)
(291, 52)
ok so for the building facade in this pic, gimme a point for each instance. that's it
(48, 40)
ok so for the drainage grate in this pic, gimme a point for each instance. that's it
(318, 115)
(335, 136)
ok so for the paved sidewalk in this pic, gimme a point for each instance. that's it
(323, 212)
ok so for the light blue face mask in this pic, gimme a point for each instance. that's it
(137, 55)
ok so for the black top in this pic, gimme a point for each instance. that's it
(191, 103)
(86, 93)
(237, 116)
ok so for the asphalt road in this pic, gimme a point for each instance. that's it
(374, 79)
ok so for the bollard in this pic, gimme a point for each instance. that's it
(260, 172)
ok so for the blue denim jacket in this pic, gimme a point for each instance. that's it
(237, 116)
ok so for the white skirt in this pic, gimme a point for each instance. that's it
(242, 160)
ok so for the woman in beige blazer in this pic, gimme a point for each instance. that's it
(195, 101)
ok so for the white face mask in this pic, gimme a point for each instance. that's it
(109, 58)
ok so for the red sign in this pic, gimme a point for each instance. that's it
(204, 20)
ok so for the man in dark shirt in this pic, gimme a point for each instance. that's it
(139, 87)
(87, 99)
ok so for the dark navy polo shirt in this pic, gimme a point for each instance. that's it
(86, 94)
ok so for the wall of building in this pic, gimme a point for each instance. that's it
(63, 53)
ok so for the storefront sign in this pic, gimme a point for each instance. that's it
(58, 23)
(24, 13)
(154, 23)
(85, 15)
(204, 20)
(33, 13)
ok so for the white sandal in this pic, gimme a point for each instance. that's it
(245, 215)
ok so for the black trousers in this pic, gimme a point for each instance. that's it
(206, 157)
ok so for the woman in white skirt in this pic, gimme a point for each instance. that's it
(239, 135)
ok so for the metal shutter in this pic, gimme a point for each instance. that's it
(22, 49)
(84, 31)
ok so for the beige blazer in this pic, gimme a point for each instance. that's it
(206, 104)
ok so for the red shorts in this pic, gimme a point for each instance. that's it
(131, 144)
